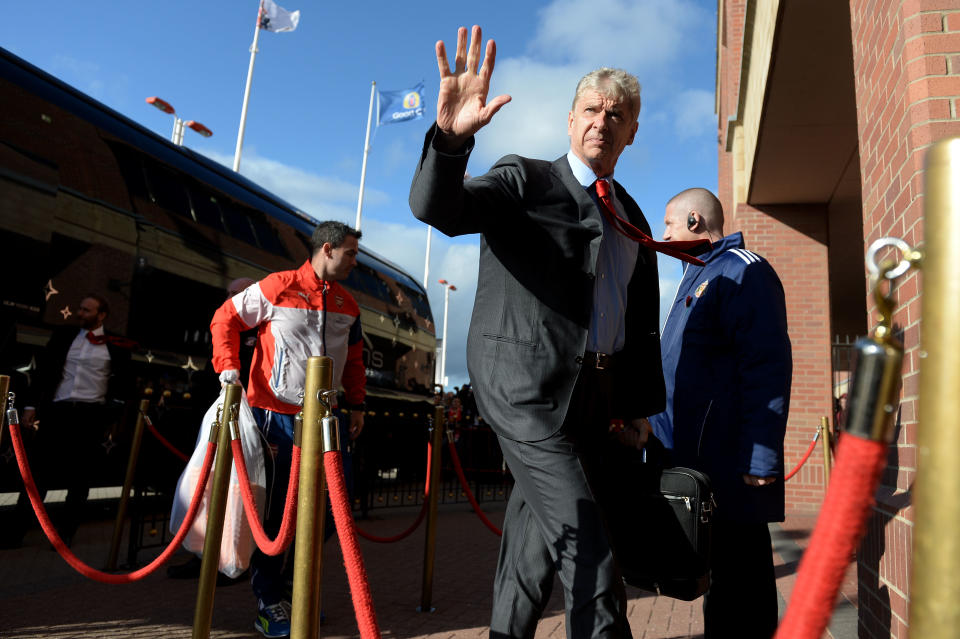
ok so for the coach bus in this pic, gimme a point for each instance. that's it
(91, 201)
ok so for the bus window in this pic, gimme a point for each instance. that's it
(238, 224)
(206, 210)
(267, 235)
(366, 280)
(167, 189)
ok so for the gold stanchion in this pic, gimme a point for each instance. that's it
(311, 505)
(827, 451)
(430, 545)
(216, 507)
(935, 582)
(127, 485)
(4, 389)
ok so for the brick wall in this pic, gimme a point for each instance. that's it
(907, 69)
(794, 241)
(730, 46)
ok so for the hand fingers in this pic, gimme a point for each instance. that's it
(442, 59)
(488, 60)
(753, 480)
(461, 59)
(493, 106)
(473, 56)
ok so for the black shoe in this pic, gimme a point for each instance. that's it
(187, 570)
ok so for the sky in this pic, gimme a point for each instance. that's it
(310, 96)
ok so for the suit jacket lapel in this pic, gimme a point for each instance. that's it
(587, 210)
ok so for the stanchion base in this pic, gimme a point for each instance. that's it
(420, 609)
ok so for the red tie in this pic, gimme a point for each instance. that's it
(121, 342)
(676, 249)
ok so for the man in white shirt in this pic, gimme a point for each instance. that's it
(81, 376)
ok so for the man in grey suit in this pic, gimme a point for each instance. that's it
(563, 347)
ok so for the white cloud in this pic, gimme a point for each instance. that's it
(321, 197)
(693, 113)
(534, 123)
(639, 35)
(645, 37)
(87, 76)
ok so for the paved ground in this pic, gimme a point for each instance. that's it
(41, 596)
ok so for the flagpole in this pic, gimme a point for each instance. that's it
(366, 152)
(426, 264)
(246, 92)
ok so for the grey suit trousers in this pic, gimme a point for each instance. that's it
(555, 524)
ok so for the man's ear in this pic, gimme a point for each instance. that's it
(633, 133)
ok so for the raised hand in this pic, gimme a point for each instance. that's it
(462, 107)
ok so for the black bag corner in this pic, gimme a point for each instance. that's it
(661, 528)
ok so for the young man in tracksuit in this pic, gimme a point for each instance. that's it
(298, 314)
(727, 367)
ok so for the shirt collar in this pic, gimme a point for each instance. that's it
(584, 174)
(309, 277)
(97, 331)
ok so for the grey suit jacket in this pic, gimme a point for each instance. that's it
(540, 235)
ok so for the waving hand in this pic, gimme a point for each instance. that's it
(462, 107)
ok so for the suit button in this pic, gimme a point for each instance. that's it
(579, 360)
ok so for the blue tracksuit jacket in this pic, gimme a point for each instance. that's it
(727, 367)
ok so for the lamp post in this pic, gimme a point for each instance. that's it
(443, 347)
(178, 125)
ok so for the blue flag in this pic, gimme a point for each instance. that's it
(400, 106)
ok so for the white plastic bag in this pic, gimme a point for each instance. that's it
(237, 544)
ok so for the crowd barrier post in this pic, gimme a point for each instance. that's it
(430, 543)
(311, 505)
(4, 389)
(935, 582)
(127, 485)
(216, 508)
(825, 440)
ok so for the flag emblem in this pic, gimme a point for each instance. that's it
(400, 106)
(338, 299)
(411, 100)
(701, 288)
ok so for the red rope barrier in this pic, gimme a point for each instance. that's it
(288, 525)
(163, 440)
(423, 512)
(466, 489)
(806, 456)
(353, 560)
(67, 554)
(839, 529)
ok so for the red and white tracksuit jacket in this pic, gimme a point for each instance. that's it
(299, 316)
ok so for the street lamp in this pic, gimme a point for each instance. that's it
(443, 346)
(178, 124)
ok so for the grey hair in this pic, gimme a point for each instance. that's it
(616, 83)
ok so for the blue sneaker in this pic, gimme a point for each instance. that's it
(272, 621)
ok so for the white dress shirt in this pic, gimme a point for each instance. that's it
(87, 371)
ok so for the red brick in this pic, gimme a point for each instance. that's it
(931, 43)
(927, 65)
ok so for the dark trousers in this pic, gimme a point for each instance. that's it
(742, 601)
(555, 524)
(272, 577)
(66, 454)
